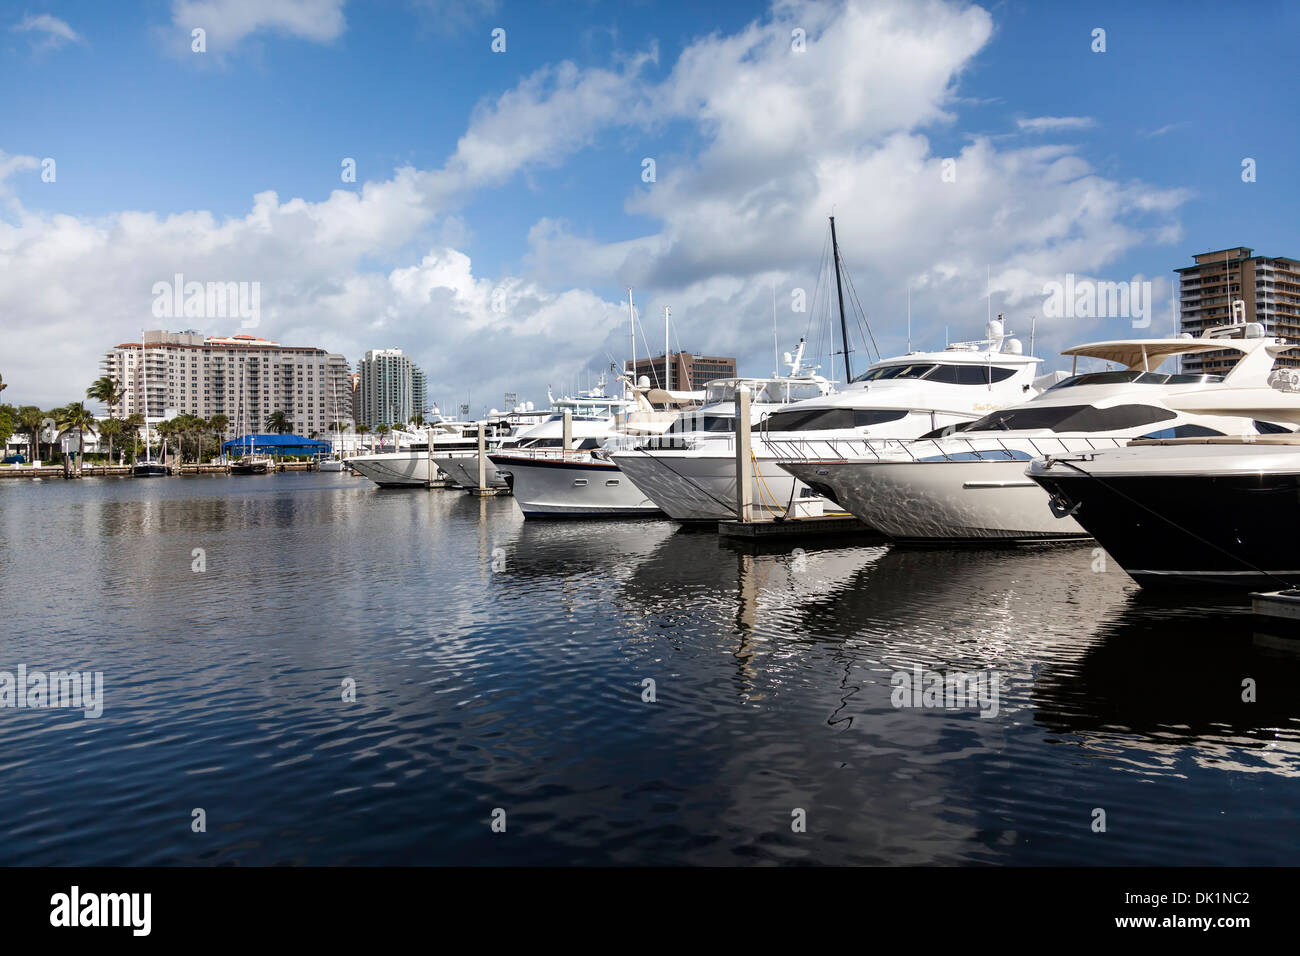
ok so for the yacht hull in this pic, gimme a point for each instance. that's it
(932, 502)
(463, 470)
(394, 470)
(691, 487)
(1189, 530)
(567, 488)
(150, 470)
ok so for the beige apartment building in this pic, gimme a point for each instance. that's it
(689, 372)
(240, 376)
(1270, 288)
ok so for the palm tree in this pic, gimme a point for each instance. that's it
(111, 428)
(278, 422)
(417, 420)
(218, 424)
(105, 389)
(32, 419)
(134, 423)
(3, 386)
(75, 416)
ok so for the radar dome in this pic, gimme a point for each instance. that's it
(1014, 346)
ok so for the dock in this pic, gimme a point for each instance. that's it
(1281, 605)
(766, 529)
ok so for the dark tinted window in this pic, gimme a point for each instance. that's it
(1184, 431)
(824, 419)
(702, 423)
(915, 370)
(969, 374)
(1268, 428)
(1073, 418)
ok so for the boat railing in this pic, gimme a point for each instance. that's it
(950, 448)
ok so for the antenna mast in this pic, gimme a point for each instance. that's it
(839, 288)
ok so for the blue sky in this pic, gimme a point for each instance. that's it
(524, 169)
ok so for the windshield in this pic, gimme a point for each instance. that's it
(1136, 377)
(911, 370)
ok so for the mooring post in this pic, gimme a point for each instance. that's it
(744, 492)
(482, 459)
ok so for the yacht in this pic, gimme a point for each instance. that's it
(461, 464)
(1198, 510)
(412, 462)
(692, 475)
(251, 465)
(968, 484)
(554, 478)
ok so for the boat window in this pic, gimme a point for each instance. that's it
(909, 370)
(825, 419)
(694, 422)
(969, 374)
(724, 391)
(1072, 418)
(1136, 377)
(1184, 431)
(1270, 428)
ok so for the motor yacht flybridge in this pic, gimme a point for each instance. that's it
(970, 484)
(691, 471)
(1195, 510)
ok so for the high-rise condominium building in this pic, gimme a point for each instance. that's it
(239, 376)
(391, 389)
(1269, 287)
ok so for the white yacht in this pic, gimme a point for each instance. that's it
(971, 485)
(692, 474)
(1195, 510)
(549, 479)
(412, 463)
(461, 463)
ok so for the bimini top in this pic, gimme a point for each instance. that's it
(277, 445)
(1147, 354)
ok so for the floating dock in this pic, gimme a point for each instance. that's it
(765, 529)
(1279, 605)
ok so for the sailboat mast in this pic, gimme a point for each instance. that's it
(839, 288)
(631, 322)
(144, 378)
(668, 369)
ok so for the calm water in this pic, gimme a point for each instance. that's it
(520, 688)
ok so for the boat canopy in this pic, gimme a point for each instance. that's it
(1147, 354)
(295, 445)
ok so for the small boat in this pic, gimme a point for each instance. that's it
(251, 465)
(150, 469)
